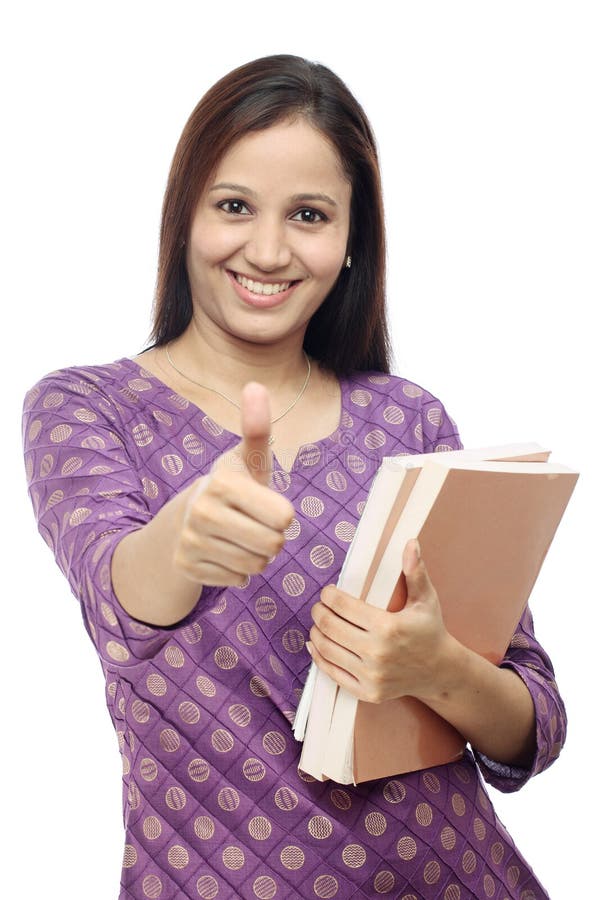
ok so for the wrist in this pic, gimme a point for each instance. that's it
(449, 669)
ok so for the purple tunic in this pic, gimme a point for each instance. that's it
(214, 804)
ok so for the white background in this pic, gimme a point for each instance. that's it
(486, 116)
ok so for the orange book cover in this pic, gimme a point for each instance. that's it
(484, 530)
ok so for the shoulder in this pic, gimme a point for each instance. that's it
(65, 404)
(383, 386)
(107, 392)
(83, 381)
(412, 417)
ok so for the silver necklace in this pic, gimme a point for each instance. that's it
(229, 400)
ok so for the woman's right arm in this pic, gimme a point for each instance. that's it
(225, 526)
(147, 582)
(90, 501)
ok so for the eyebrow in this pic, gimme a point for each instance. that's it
(297, 198)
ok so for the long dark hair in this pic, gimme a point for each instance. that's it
(349, 330)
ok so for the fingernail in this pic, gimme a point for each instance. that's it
(413, 556)
(309, 647)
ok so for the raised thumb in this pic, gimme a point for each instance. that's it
(256, 431)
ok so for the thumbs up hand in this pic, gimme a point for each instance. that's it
(256, 431)
(233, 524)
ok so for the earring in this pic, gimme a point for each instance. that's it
(348, 262)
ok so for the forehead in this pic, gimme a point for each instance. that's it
(290, 154)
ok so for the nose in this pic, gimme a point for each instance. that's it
(267, 248)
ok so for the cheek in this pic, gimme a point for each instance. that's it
(210, 246)
(326, 259)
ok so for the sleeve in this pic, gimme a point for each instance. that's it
(525, 655)
(528, 659)
(439, 429)
(87, 493)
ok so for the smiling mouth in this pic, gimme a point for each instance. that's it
(265, 289)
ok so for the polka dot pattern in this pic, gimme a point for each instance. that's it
(216, 806)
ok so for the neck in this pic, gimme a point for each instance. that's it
(228, 364)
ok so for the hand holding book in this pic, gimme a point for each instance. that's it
(377, 655)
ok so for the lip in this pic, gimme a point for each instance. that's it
(256, 301)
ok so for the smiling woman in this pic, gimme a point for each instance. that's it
(247, 244)
(295, 98)
(201, 496)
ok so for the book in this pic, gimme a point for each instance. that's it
(384, 504)
(504, 503)
(382, 508)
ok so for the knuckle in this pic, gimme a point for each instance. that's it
(218, 485)
(281, 524)
(257, 564)
(375, 693)
(285, 513)
(181, 552)
(330, 595)
(325, 619)
(376, 679)
(189, 541)
(185, 567)
(388, 630)
(180, 561)
(201, 510)
(276, 544)
(378, 657)
(245, 564)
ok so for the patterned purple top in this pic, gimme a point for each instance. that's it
(214, 804)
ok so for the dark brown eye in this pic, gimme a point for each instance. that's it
(236, 206)
(309, 214)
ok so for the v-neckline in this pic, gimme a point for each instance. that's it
(230, 438)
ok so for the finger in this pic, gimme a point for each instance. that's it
(256, 431)
(212, 575)
(411, 556)
(245, 532)
(339, 675)
(333, 652)
(339, 630)
(231, 489)
(232, 557)
(355, 611)
(417, 580)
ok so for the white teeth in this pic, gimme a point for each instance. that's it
(257, 287)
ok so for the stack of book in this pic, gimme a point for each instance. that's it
(485, 520)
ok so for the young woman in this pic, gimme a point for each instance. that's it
(201, 496)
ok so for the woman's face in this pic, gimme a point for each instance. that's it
(259, 219)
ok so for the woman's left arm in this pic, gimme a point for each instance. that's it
(378, 655)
